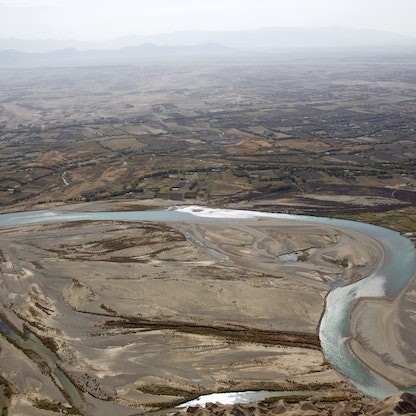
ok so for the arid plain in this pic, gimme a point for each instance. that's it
(129, 318)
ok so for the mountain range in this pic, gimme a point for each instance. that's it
(129, 54)
(20, 52)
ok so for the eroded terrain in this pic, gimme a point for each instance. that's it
(140, 317)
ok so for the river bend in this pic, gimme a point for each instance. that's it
(398, 269)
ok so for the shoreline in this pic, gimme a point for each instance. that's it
(393, 358)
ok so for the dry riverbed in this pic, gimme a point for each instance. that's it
(141, 317)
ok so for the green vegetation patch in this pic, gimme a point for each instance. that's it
(251, 335)
(403, 221)
(5, 395)
(163, 390)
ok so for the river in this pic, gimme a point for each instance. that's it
(399, 267)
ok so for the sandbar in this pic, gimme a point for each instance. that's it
(142, 317)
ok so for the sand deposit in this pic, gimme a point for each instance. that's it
(141, 317)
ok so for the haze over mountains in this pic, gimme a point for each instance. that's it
(17, 51)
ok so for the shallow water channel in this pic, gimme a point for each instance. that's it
(29, 341)
(390, 279)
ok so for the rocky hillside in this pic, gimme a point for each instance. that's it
(404, 403)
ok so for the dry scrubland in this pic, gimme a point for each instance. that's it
(125, 318)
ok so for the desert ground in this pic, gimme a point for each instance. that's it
(141, 316)
(117, 318)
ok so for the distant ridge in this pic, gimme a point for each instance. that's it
(13, 58)
(276, 38)
(256, 39)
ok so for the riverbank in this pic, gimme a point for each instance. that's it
(325, 406)
(383, 333)
(142, 317)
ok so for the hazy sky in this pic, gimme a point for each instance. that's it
(107, 19)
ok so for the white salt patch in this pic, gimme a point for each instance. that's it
(215, 213)
(221, 213)
(230, 398)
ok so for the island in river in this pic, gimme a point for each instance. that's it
(141, 316)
